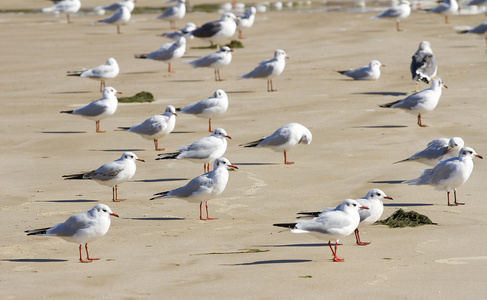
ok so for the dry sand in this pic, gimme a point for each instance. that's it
(160, 249)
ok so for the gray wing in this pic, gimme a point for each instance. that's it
(263, 70)
(98, 72)
(441, 171)
(197, 107)
(114, 18)
(327, 223)
(197, 186)
(208, 29)
(482, 28)
(434, 150)
(278, 138)
(205, 61)
(167, 13)
(106, 172)
(149, 127)
(92, 110)
(70, 226)
(359, 73)
(112, 7)
(164, 53)
(200, 149)
(392, 12)
(413, 100)
(440, 8)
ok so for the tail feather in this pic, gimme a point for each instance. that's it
(313, 214)
(389, 104)
(463, 31)
(140, 55)
(252, 144)
(285, 225)
(341, 72)
(124, 128)
(74, 176)
(178, 109)
(37, 231)
(67, 111)
(173, 155)
(159, 195)
(74, 73)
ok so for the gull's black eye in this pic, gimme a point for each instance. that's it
(104, 210)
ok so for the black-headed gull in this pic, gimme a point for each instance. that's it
(212, 106)
(331, 225)
(107, 71)
(112, 173)
(65, 6)
(174, 13)
(82, 228)
(186, 32)
(203, 150)
(283, 139)
(449, 174)
(370, 72)
(423, 64)
(121, 17)
(114, 7)
(217, 31)
(167, 52)
(400, 11)
(246, 20)
(269, 69)
(99, 109)
(156, 127)
(437, 150)
(203, 187)
(447, 7)
(421, 102)
(216, 60)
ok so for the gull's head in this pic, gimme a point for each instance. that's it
(438, 83)
(170, 111)
(102, 209)
(131, 156)
(109, 91)
(111, 62)
(189, 27)
(306, 135)
(225, 49)
(222, 162)
(352, 205)
(228, 16)
(278, 54)
(468, 152)
(455, 144)
(219, 94)
(181, 42)
(220, 133)
(377, 194)
(375, 64)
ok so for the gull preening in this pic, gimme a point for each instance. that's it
(204, 187)
(216, 60)
(449, 174)
(82, 228)
(331, 225)
(398, 12)
(423, 64)
(186, 32)
(121, 17)
(167, 52)
(99, 109)
(212, 106)
(174, 13)
(246, 20)
(446, 8)
(217, 31)
(65, 6)
(112, 173)
(370, 72)
(107, 71)
(283, 139)
(437, 150)
(114, 7)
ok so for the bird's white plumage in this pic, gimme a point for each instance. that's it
(208, 108)
(400, 11)
(269, 68)
(169, 51)
(216, 60)
(217, 31)
(158, 126)
(286, 137)
(121, 17)
(436, 150)
(101, 108)
(65, 6)
(174, 13)
(370, 72)
(114, 7)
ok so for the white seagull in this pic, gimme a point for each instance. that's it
(216, 60)
(370, 72)
(400, 11)
(112, 173)
(186, 32)
(423, 64)
(114, 7)
(99, 109)
(204, 150)
(174, 13)
(121, 17)
(217, 31)
(449, 174)
(156, 127)
(331, 225)
(447, 7)
(212, 106)
(246, 20)
(437, 150)
(284, 138)
(204, 187)
(107, 71)
(269, 69)
(65, 6)
(167, 52)
(479, 29)
(421, 102)
(82, 228)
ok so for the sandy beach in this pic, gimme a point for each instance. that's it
(160, 249)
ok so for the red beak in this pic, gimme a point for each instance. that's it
(114, 214)
(140, 160)
(387, 197)
(364, 207)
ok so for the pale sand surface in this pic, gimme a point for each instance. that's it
(157, 248)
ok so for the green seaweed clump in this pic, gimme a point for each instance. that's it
(207, 8)
(138, 98)
(401, 218)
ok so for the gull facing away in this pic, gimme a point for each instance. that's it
(217, 31)
(112, 173)
(437, 150)
(331, 225)
(156, 127)
(114, 7)
(212, 106)
(65, 6)
(269, 69)
(186, 32)
(401, 11)
(121, 17)
(99, 109)
(174, 13)
(421, 102)
(246, 20)
(423, 64)
(449, 174)
(167, 52)
(82, 228)
(283, 139)
(204, 187)
(216, 60)
(370, 72)
(107, 71)
(373, 200)
(447, 7)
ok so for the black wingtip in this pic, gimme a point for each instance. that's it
(66, 111)
(285, 225)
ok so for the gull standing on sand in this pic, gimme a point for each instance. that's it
(99, 109)
(107, 71)
(82, 228)
(112, 173)
(421, 102)
(401, 11)
(216, 60)
(331, 225)
(186, 32)
(269, 69)
(174, 13)
(370, 72)
(423, 64)
(447, 7)
(449, 174)
(156, 127)
(217, 31)
(65, 6)
(215, 105)
(437, 150)
(204, 187)
(114, 7)
(121, 17)
(246, 20)
(283, 139)
(204, 150)
(167, 52)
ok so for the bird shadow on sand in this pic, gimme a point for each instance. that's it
(156, 219)
(381, 126)
(255, 164)
(70, 201)
(118, 150)
(34, 260)
(297, 245)
(178, 132)
(240, 92)
(186, 80)
(72, 92)
(383, 93)
(63, 132)
(406, 204)
(273, 261)
(161, 180)
(141, 72)
(388, 181)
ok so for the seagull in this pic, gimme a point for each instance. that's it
(186, 32)
(174, 13)
(480, 29)
(66, 6)
(401, 11)
(246, 20)
(331, 225)
(109, 70)
(82, 228)
(204, 150)
(167, 52)
(421, 102)
(477, 2)
(156, 127)
(269, 69)
(216, 60)
(370, 72)
(447, 7)
(114, 7)
(423, 64)
(204, 187)
(99, 109)
(449, 174)
(436, 150)
(112, 173)
(215, 105)
(217, 31)
(283, 139)
(373, 200)
(119, 18)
